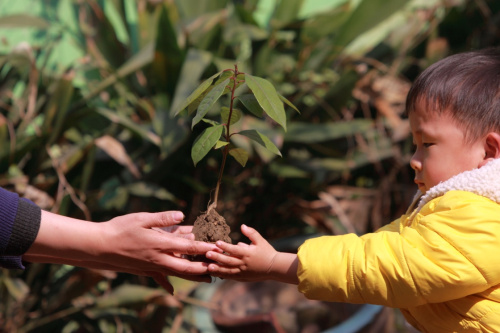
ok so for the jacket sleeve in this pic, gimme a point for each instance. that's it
(19, 224)
(445, 254)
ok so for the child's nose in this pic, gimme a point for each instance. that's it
(415, 162)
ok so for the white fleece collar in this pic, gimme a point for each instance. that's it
(484, 181)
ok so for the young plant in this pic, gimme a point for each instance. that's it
(262, 99)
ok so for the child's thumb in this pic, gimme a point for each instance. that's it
(251, 233)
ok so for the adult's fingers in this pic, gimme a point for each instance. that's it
(178, 229)
(160, 219)
(162, 280)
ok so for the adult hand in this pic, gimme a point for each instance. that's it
(140, 243)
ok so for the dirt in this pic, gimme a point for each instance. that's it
(211, 227)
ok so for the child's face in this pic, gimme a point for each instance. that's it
(441, 151)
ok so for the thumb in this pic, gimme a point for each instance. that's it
(252, 234)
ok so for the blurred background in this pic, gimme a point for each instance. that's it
(87, 89)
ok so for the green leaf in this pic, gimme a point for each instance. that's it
(240, 155)
(138, 61)
(251, 104)
(287, 102)
(194, 95)
(17, 288)
(209, 101)
(367, 15)
(220, 144)
(194, 65)
(235, 115)
(211, 122)
(262, 140)
(311, 133)
(204, 143)
(268, 98)
(126, 122)
(128, 294)
(143, 189)
(21, 21)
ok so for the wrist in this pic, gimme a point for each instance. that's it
(284, 268)
(65, 238)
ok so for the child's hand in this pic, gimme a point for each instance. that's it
(243, 262)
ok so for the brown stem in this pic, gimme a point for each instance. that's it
(225, 152)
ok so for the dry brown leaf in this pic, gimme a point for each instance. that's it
(115, 150)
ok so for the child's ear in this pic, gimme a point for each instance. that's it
(491, 148)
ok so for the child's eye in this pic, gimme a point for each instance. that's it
(427, 144)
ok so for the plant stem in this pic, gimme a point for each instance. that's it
(225, 151)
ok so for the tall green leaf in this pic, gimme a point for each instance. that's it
(205, 142)
(313, 133)
(169, 55)
(367, 15)
(192, 69)
(268, 98)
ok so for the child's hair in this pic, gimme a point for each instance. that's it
(467, 85)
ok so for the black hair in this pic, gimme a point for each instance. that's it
(467, 85)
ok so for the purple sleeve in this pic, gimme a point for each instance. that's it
(19, 225)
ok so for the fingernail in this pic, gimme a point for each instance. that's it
(178, 216)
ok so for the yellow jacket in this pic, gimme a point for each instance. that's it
(440, 264)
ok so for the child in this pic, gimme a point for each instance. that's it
(433, 262)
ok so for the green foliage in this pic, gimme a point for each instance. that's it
(262, 95)
(101, 102)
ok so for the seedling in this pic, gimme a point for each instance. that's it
(263, 99)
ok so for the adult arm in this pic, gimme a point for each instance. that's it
(139, 243)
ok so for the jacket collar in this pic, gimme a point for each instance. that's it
(484, 181)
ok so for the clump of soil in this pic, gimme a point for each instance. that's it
(211, 227)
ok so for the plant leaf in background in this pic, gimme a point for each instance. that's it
(194, 95)
(116, 150)
(192, 69)
(366, 16)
